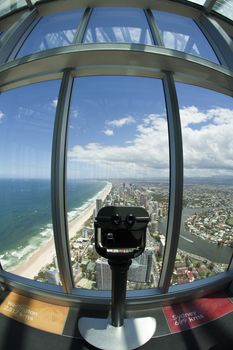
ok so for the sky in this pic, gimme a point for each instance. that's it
(117, 125)
(26, 130)
(117, 129)
(113, 119)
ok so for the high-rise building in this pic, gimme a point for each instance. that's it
(52, 276)
(141, 267)
(143, 200)
(99, 204)
(162, 244)
(103, 274)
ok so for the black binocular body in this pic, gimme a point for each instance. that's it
(121, 231)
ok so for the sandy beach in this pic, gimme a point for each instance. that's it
(45, 253)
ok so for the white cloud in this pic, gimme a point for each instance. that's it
(118, 123)
(108, 132)
(54, 103)
(208, 149)
(207, 144)
(74, 113)
(191, 115)
(147, 154)
(2, 116)
(24, 112)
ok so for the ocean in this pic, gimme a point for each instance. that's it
(25, 214)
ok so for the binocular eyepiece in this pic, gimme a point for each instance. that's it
(121, 231)
(130, 219)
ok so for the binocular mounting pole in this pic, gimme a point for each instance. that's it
(119, 284)
(120, 235)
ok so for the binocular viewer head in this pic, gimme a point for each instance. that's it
(121, 231)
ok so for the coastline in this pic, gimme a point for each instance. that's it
(46, 252)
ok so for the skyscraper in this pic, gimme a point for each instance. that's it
(103, 274)
(140, 270)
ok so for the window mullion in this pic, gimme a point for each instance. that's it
(19, 33)
(82, 26)
(176, 182)
(154, 28)
(220, 40)
(58, 183)
(209, 4)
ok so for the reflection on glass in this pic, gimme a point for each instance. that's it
(121, 25)
(206, 237)
(35, 1)
(26, 129)
(224, 7)
(117, 155)
(7, 6)
(52, 31)
(199, 2)
(182, 34)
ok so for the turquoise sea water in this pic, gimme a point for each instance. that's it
(25, 214)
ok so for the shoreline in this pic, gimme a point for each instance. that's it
(46, 252)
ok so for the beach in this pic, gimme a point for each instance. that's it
(46, 252)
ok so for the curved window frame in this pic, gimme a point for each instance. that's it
(118, 59)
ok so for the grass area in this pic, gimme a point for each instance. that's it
(230, 221)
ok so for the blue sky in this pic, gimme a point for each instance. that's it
(101, 100)
(106, 127)
(26, 128)
(117, 128)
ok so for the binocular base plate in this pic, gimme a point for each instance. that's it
(100, 333)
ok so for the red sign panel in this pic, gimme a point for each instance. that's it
(197, 312)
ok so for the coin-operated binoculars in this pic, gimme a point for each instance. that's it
(120, 235)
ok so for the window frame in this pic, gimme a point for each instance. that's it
(118, 59)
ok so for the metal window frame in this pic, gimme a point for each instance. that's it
(34, 18)
(124, 59)
(209, 4)
(202, 25)
(136, 300)
(154, 28)
(96, 58)
(175, 168)
(116, 59)
(58, 183)
(222, 42)
(16, 35)
(23, 35)
(83, 25)
(176, 182)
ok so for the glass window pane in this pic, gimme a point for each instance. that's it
(121, 25)
(206, 237)
(7, 6)
(52, 31)
(117, 155)
(182, 34)
(26, 131)
(224, 7)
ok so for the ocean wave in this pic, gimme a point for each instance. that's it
(47, 231)
(76, 212)
(13, 257)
